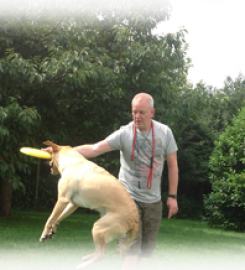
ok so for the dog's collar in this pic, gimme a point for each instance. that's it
(149, 181)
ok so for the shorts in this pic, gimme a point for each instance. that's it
(150, 221)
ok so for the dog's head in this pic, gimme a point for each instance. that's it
(54, 150)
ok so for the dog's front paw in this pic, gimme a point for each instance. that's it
(46, 237)
(42, 239)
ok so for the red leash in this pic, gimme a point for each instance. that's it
(149, 182)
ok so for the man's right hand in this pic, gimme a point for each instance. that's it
(48, 149)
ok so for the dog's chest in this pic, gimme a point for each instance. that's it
(79, 200)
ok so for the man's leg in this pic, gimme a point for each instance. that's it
(150, 221)
(131, 262)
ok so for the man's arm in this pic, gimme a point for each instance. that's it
(173, 183)
(93, 150)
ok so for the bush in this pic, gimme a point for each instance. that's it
(224, 206)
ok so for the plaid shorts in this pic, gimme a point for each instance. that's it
(150, 221)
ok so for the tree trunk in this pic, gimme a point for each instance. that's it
(37, 184)
(6, 193)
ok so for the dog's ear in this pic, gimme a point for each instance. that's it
(55, 147)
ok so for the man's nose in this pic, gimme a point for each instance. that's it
(137, 115)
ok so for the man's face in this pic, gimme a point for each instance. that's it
(142, 114)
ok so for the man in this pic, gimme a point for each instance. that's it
(144, 145)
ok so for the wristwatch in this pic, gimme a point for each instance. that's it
(172, 196)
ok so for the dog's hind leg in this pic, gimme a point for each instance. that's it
(104, 231)
(125, 244)
(90, 256)
(100, 249)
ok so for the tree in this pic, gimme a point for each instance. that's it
(225, 204)
(191, 127)
(226, 102)
(16, 125)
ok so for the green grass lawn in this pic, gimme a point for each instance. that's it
(182, 244)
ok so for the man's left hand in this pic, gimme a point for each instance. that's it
(172, 205)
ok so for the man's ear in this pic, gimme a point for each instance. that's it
(152, 112)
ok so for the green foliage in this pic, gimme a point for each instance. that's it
(16, 124)
(225, 205)
(225, 103)
(195, 144)
(47, 192)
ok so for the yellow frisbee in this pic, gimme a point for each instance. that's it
(35, 152)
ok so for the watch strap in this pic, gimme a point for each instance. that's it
(172, 196)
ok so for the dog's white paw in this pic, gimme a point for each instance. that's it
(88, 257)
(45, 237)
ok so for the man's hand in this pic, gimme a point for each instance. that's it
(172, 205)
(48, 149)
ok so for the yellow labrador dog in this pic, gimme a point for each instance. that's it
(85, 184)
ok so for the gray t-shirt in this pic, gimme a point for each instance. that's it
(134, 174)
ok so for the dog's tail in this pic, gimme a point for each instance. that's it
(128, 240)
(134, 232)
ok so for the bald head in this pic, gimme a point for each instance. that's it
(143, 111)
(144, 96)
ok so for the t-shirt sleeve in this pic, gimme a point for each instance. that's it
(115, 140)
(171, 146)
